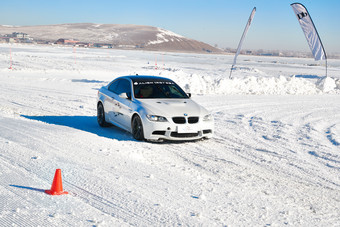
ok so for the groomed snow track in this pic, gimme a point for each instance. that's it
(274, 160)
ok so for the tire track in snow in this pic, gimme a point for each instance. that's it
(241, 172)
(112, 207)
(261, 151)
(330, 136)
(136, 214)
(276, 127)
(23, 199)
(282, 146)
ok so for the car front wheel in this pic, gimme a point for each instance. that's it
(137, 128)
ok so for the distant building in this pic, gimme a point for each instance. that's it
(83, 44)
(67, 41)
(20, 35)
(16, 37)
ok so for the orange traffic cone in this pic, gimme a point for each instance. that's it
(57, 185)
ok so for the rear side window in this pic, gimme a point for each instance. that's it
(120, 86)
(113, 85)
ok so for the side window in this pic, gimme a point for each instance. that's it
(121, 86)
(113, 86)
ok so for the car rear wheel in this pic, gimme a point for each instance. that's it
(137, 128)
(101, 116)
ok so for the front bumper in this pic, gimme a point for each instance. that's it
(172, 131)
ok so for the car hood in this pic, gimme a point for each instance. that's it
(172, 107)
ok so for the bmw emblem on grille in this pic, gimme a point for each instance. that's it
(185, 114)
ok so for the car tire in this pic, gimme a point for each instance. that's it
(101, 116)
(137, 128)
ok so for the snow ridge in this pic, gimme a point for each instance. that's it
(269, 85)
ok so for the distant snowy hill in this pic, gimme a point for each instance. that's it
(146, 37)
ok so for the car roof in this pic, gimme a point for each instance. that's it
(140, 78)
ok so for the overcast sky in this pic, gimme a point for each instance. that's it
(220, 22)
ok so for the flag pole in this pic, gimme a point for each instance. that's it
(326, 67)
(242, 38)
(231, 69)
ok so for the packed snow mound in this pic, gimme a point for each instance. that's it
(326, 84)
(257, 85)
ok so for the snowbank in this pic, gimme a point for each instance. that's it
(257, 85)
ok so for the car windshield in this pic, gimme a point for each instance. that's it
(154, 89)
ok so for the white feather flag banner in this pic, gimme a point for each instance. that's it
(242, 38)
(310, 31)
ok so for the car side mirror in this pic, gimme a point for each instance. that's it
(125, 95)
(189, 95)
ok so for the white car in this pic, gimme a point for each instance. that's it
(152, 108)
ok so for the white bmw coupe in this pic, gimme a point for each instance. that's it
(152, 108)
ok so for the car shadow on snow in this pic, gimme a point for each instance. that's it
(85, 123)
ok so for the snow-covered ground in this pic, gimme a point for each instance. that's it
(274, 160)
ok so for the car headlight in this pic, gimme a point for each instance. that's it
(156, 118)
(208, 117)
